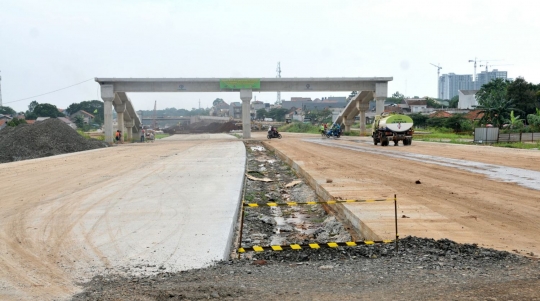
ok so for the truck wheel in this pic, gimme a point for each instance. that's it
(406, 141)
(410, 141)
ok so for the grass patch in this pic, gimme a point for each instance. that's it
(298, 127)
(249, 197)
(519, 145)
(160, 136)
(351, 133)
(82, 133)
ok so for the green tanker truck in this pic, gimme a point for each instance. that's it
(392, 127)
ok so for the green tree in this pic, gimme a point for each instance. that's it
(79, 121)
(458, 123)
(217, 101)
(453, 103)
(47, 110)
(261, 113)
(4, 110)
(32, 106)
(94, 107)
(419, 120)
(16, 122)
(30, 115)
(523, 94)
(534, 120)
(494, 104)
(277, 114)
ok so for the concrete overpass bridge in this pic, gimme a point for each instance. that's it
(113, 92)
(359, 105)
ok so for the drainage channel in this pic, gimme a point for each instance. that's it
(270, 180)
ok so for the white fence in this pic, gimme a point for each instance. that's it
(492, 135)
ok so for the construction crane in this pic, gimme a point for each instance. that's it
(154, 124)
(477, 60)
(438, 77)
(488, 65)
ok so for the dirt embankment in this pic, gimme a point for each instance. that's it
(203, 127)
(43, 139)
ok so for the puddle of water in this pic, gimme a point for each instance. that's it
(258, 148)
(523, 177)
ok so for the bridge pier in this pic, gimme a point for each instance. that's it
(120, 109)
(362, 108)
(129, 130)
(245, 96)
(107, 94)
(381, 93)
(348, 122)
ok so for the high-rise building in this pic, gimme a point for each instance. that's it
(449, 84)
(485, 77)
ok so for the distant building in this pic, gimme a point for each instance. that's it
(467, 99)
(87, 117)
(414, 105)
(449, 84)
(235, 110)
(68, 122)
(484, 77)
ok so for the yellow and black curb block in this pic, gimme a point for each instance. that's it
(272, 204)
(331, 245)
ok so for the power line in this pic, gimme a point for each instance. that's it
(50, 92)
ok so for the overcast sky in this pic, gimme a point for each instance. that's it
(48, 45)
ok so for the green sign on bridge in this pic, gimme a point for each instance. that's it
(239, 83)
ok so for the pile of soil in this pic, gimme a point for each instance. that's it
(43, 139)
(203, 127)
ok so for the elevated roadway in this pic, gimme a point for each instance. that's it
(112, 87)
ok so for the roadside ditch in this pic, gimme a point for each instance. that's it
(270, 180)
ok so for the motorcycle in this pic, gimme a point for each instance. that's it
(333, 133)
(273, 134)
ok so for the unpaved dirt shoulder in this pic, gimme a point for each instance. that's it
(478, 209)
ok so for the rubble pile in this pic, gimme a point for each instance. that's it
(43, 139)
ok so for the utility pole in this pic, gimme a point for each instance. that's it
(278, 75)
(438, 78)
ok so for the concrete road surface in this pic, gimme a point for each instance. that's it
(136, 208)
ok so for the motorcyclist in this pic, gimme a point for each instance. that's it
(272, 131)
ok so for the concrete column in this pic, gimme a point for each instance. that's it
(129, 130)
(363, 106)
(381, 93)
(245, 96)
(107, 94)
(348, 123)
(363, 122)
(120, 109)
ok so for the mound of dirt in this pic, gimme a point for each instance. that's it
(202, 127)
(43, 139)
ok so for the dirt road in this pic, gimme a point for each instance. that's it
(470, 194)
(148, 208)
